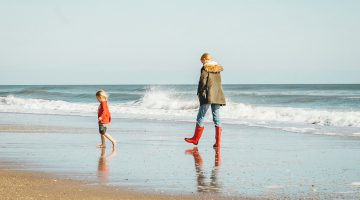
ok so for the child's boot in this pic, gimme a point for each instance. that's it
(218, 131)
(197, 135)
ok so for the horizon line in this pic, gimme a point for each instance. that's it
(179, 84)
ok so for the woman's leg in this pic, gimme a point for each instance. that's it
(201, 114)
(215, 108)
(199, 125)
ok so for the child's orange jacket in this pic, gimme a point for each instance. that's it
(104, 113)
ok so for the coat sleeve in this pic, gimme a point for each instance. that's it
(100, 110)
(104, 109)
(202, 83)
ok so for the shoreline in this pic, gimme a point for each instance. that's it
(153, 162)
(19, 184)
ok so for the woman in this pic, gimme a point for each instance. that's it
(210, 94)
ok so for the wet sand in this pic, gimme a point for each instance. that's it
(31, 185)
(152, 160)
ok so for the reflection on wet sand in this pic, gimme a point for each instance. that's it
(103, 168)
(202, 185)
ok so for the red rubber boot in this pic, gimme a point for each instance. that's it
(218, 131)
(197, 135)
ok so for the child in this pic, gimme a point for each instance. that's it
(104, 118)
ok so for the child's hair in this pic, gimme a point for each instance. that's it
(206, 56)
(101, 93)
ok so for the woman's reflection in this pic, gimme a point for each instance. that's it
(202, 186)
(103, 168)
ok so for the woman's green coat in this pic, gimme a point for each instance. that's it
(210, 90)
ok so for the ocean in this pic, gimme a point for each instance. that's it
(279, 141)
(307, 109)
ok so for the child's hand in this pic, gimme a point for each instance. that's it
(100, 118)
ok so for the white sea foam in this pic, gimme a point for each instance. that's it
(168, 104)
(40, 106)
(287, 114)
(155, 98)
(342, 94)
(355, 184)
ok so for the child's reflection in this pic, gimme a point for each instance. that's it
(202, 186)
(103, 168)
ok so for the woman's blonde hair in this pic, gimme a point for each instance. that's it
(206, 56)
(101, 93)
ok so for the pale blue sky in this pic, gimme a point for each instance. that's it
(160, 41)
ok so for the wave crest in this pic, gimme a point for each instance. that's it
(156, 98)
(298, 115)
(168, 104)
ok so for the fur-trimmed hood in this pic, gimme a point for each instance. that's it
(213, 67)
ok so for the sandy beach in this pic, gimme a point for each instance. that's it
(31, 185)
(152, 162)
(171, 100)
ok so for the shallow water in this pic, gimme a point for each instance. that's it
(316, 109)
(152, 156)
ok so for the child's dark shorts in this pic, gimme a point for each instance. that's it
(102, 129)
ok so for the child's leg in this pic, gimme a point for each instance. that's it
(102, 131)
(108, 136)
(102, 145)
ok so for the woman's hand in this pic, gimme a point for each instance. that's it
(202, 97)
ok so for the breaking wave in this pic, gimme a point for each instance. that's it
(169, 104)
